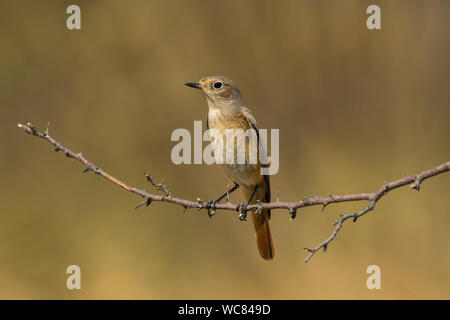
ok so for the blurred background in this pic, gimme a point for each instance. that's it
(355, 108)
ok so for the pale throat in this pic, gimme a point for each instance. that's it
(222, 117)
(214, 114)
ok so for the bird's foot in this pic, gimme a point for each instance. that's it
(242, 209)
(211, 207)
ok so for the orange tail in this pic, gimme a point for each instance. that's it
(264, 239)
(261, 220)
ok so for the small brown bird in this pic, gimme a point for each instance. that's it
(227, 110)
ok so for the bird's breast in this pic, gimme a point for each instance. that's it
(246, 169)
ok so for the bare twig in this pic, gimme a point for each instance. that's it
(415, 181)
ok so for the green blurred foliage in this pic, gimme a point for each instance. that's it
(354, 107)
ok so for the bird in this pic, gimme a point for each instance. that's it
(227, 110)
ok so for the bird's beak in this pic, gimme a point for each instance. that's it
(195, 85)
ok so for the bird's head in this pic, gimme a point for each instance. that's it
(219, 91)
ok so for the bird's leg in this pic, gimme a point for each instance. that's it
(212, 203)
(242, 207)
(227, 193)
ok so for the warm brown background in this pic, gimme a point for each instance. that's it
(354, 107)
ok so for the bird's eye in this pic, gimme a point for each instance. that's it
(217, 85)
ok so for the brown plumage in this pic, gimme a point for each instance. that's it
(227, 110)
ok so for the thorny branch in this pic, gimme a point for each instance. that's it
(415, 181)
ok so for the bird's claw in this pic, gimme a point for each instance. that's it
(211, 207)
(242, 209)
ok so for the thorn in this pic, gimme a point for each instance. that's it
(417, 182)
(46, 132)
(86, 169)
(278, 195)
(146, 202)
(293, 212)
(228, 193)
(325, 247)
(56, 149)
(415, 186)
(184, 208)
(308, 250)
(324, 206)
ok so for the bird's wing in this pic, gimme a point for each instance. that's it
(252, 122)
(250, 119)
